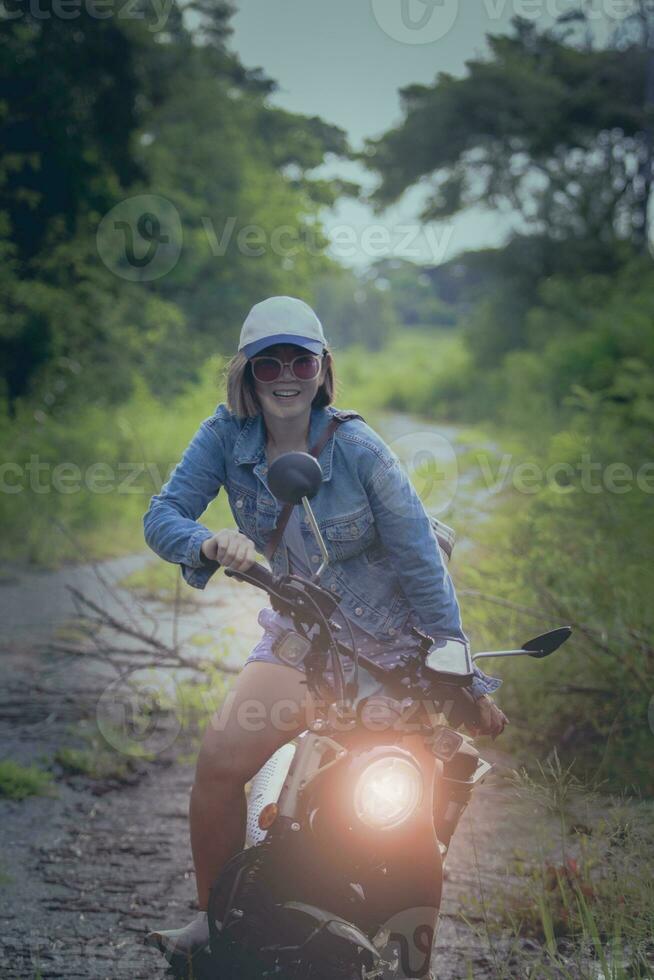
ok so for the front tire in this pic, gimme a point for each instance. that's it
(234, 950)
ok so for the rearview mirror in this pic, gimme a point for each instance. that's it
(546, 643)
(541, 646)
(294, 476)
(450, 659)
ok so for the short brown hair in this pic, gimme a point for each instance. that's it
(242, 398)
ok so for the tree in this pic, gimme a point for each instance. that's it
(415, 293)
(558, 132)
(97, 113)
(353, 310)
(68, 111)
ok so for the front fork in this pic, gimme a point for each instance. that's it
(407, 892)
(457, 781)
(405, 896)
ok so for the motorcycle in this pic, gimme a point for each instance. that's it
(348, 826)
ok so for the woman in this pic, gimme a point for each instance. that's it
(386, 565)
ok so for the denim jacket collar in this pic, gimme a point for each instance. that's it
(250, 444)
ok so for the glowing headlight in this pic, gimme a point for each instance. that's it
(387, 792)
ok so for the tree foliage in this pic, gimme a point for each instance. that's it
(542, 126)
(95, 112)
(559, 332)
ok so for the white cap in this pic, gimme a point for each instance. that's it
(281, 320)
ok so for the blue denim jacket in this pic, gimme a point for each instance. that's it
(386, 566)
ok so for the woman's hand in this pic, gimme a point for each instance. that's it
(491, 718)
(231, 548)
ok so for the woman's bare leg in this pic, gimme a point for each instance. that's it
(266, 708)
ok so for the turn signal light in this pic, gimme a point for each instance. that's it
(268, 816)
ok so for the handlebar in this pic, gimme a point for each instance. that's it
(262, 578)
(462, 710)
(256, 574)
(462, 707)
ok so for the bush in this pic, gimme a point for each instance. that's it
(18, 782)
(86, 478)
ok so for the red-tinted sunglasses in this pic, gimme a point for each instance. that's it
(304, 367)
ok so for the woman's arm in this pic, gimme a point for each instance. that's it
(406, 533)
(170, 524)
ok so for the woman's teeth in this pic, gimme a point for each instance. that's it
(286, 394)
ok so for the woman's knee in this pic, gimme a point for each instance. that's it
(233, 757)
(265, 709)
(222, 760)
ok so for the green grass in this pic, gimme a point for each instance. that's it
(18, 782)
(104, 754)
(414, 374)
(5, 878)
(94, 763)
(98, 472)
(582, 894)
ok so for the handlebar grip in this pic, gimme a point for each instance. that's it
(463, 709)
(256, 574)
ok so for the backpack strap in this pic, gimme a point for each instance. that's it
(285, 513)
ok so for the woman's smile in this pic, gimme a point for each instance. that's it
(286, 392)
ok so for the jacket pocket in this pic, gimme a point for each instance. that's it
(350, 535)
(243, 504)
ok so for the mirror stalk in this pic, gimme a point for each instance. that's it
(503, 653)
(317, 535)
(538, 647)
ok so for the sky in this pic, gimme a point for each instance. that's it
(345, 60)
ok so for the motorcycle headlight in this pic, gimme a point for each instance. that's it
(387, 792)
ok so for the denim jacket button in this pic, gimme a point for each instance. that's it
(392, 631)
(358, 611)
(239, 503)
(315, 559)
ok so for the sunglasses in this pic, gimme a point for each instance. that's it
(304, 367)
